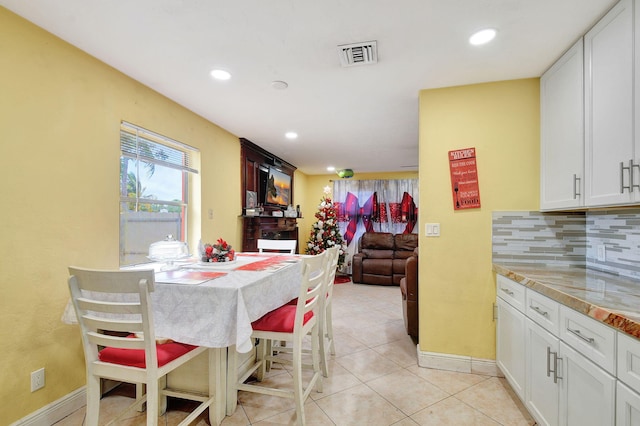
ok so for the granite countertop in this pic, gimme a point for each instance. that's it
(608, 298)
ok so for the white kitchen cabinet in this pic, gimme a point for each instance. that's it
(591, 338)
(542, 392)
(510, 345)
(569, 359)
(628, 365)
(562, 132)
(587, 392)
(627, 406)
(609, 109)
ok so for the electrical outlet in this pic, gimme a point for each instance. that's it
(37, 380)
(602, 253)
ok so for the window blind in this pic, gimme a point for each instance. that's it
(145, 145)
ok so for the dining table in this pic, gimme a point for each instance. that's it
(213, 304)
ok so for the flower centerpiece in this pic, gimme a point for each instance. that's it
(221, 251)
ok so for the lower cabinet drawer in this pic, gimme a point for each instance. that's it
(629, 361)
(591, 338)
(543, 311)
(511, 292)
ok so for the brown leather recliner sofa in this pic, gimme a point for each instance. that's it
(381, 257)
(409, 290)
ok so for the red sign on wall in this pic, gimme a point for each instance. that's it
(464, 179)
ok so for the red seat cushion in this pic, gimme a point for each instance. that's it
(279, 320)
(167, 352)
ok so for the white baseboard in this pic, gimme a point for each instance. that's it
(459, 363)
(57, 410)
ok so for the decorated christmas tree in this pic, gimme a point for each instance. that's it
(325, 232)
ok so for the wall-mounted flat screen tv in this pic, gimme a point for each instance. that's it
(278, 188)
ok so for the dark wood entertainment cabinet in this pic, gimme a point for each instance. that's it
(255, 163)
(269, 228)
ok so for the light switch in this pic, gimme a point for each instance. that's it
(432, 229)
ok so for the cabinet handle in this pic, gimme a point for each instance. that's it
(555, 365)
(622, 169)
(577, 333)
(548, 361)
(556, 358)
(576, 186)
(631, 167)
(506, 290)
(540, 311)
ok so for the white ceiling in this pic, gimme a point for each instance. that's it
(364, 117)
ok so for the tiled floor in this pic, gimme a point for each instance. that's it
(375, 380)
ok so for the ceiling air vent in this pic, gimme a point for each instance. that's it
(363, 53)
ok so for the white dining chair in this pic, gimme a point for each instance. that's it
(326, 324)
(326, 327)
(281, 246)
(114, 310)
(291, 323)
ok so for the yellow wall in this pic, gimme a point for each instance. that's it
(60, 113)
(456, 288)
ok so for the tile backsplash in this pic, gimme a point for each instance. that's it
(570, 238)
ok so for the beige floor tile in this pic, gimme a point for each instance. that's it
(402, 351)
(451, 382)
(452, 412)
(367, 365)
(494, 398)
(376, 334)
(407, 391)
(360, 405)
(339, 379)
(313, 416)
(407, 421)
(346, 345)
(259, 407)
(238, 418)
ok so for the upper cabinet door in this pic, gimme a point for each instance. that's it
(609, 129)
(562, 132)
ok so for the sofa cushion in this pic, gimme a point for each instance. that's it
(402, 254)
(378, 266)
(406, 242)
(377, 254)
(399, 266)
(377, 241)
(378, 279)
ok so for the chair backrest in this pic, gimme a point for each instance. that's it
(110, 305)
(277, 245)
(332, 267)
(312, 287)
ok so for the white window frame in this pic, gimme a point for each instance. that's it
(145, 146)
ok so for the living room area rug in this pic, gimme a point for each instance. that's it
(341, 279)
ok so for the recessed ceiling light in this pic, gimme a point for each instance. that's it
(331, 169)
(220, 74)
(482, 37)
(291, 135)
